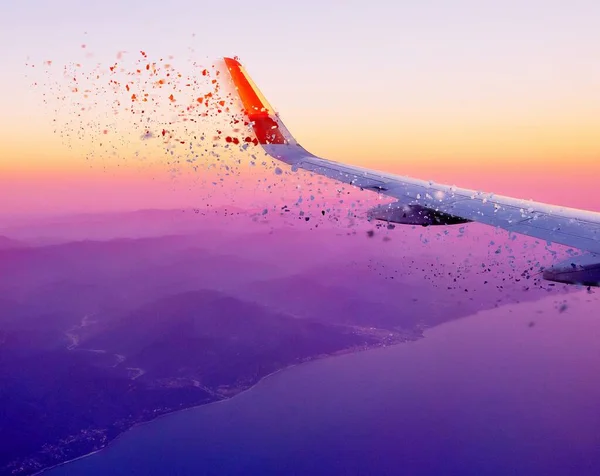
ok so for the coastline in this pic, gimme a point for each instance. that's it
(228, 398)
(551, 300)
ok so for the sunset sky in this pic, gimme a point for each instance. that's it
(500, 96)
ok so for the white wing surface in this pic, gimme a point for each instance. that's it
(426, 203)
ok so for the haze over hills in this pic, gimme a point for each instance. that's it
(6, 243)
(113, 319)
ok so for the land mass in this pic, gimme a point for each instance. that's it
(100, 334)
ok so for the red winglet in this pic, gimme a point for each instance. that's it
(256, 107)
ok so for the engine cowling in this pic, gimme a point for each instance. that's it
(412, 215)
(584, 270)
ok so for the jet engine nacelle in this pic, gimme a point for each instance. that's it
(412, 215)
(583, 269)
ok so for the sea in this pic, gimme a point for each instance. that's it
(510, 391)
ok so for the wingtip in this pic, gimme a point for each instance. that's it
(230, 60)
(265, 122)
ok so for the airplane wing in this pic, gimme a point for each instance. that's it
(421, 202)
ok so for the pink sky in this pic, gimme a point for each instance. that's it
(499, 99)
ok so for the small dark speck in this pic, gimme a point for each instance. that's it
(531, 324)
(563, 307)
(370, 233)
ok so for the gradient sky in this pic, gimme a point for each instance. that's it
(500, 96)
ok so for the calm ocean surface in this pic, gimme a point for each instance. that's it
(491, 394)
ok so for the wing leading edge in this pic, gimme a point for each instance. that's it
(419, 201)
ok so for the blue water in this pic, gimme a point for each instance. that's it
(485, 395)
